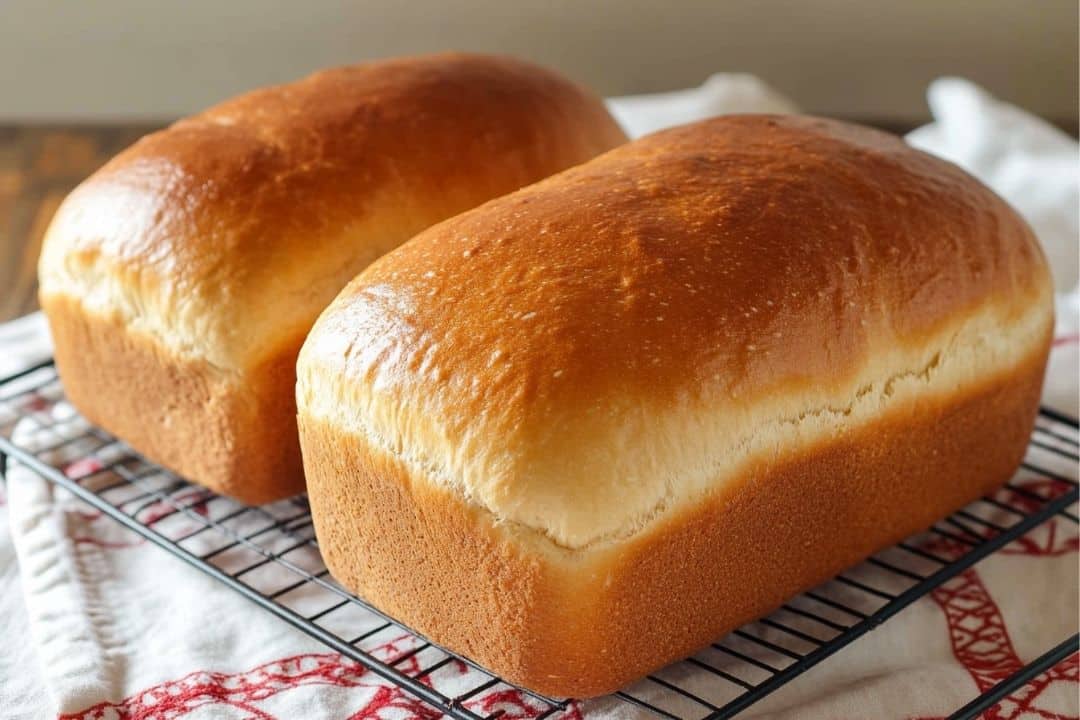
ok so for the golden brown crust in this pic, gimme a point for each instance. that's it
(735, 254)
(586, 353)
(541, 617)
(238, 440)
(214, 244)
(228, 232)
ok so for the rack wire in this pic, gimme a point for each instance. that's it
(247, 548)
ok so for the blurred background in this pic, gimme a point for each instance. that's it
(80, 80)
(131, 59)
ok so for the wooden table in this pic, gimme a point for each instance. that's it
(39, 165)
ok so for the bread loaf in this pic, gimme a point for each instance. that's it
(589, 427)
(180, 280)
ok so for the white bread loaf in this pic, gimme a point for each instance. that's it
(180, 279)
(588, 427)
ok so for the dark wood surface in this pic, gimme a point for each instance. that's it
(40, 164)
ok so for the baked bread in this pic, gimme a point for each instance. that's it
(626, 409)
(180, 280)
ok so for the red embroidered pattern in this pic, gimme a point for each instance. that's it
(180, 697)
(194, 499)
(244, 691)
(980, 641)
(1052, 538)
(977, 632)
(1066, 339)
(82, 467)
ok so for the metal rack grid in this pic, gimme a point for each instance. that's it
(233, 543)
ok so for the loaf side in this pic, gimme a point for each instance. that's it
(546, 617)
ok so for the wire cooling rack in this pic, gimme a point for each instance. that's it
(238, 545)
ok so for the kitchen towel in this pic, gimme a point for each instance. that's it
(100, 624)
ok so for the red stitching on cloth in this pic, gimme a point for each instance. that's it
(977, 632)
(1053, 537)
(1022, 702)
(174, 699)
(393, 699)
(162, 508)
(243, 691)
(82, 467)
(1019, 704)
(1066, 339)
(148, 516)
(515, 704)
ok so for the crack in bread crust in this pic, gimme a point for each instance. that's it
(631, 329)
(540, 616)
(959, 354)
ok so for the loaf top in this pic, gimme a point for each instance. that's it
(224, 235)
(583, 356)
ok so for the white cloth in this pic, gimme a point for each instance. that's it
(721, 94)
(23, 693)
(100, 625)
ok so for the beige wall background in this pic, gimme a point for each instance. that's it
(95, 60)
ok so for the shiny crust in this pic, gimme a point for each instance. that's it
(585, 624)
(595, 350)
(220, 239)
(607, 414)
